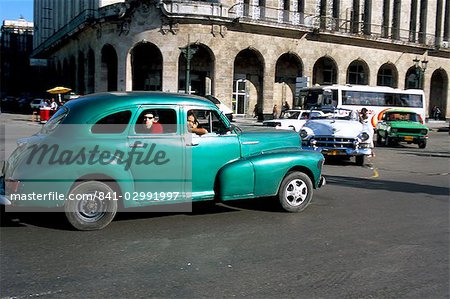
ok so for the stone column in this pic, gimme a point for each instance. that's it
(267, 90)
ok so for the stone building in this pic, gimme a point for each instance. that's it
(15, 49)
(246, 51)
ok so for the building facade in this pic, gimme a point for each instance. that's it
(246, 52)
(16, 45)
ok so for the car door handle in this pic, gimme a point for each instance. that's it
(137, 145)
(191, 144)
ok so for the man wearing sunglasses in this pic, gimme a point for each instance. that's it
(151, 124)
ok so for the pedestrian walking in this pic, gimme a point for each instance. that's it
(275, 111)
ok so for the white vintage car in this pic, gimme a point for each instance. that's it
(292, 120)
(339, 132)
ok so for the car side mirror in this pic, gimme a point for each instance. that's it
(234, 128)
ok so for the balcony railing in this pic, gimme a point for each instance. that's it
(279, 17)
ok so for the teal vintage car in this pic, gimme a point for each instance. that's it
(401, 125)
(105, 152)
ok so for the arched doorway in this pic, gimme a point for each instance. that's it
(201, 71)
(81, 74)
(248, 82)
(439, 92)
(146, 65)
(288, 71)
(387, 75)
(72, 73)
(358, 73)
(325, 71)
(413, 78)
(65, 73)
(90, 88)
(109, 67)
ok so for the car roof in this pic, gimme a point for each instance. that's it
(95, 104)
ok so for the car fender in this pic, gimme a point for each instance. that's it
(261, 175)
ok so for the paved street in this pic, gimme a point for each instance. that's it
(371, 232)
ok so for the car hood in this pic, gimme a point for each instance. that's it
(257, 142)
(406, 124)
(333, 127)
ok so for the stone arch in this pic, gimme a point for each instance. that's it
(248, 78)
(439, 92)
(358, 72)
(387, 75)
(147, 67)
(288, 68)
(108, 69)
(325, 71)
(201, 70)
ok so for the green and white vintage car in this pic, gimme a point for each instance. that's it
(97, 155)
(401, 125)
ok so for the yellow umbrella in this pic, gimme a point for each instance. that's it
(59, 89)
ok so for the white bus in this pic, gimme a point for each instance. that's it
(374, 99)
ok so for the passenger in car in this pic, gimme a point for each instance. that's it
(152, 125)
(192, 125)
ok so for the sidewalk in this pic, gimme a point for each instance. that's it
(434, 125)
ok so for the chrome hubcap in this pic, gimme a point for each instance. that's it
(296, 192)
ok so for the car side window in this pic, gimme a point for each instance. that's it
(156, 121)
(114, 123)
(210, 120)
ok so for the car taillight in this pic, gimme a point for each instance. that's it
(11, 186)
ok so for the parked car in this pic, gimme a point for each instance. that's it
(401, 125)
(338, 132)
(292, 119)
(222, 107)
(24, 105)
(36, 104)
(9, 104)
(97, 154)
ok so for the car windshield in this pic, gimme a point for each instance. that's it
(402, 116)
(292, 114)
(333, 113)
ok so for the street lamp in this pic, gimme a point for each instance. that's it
(420, 66)
(188, 53)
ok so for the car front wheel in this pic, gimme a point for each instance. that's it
(359, 160)
(379, 139)
(90, 205)
(422, 144)
(296, 191)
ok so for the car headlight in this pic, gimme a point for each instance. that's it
(363, 136)
(423, 132)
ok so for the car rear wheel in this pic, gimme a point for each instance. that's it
(90, 205)
(296, 191)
